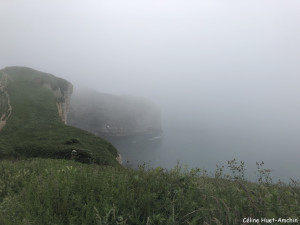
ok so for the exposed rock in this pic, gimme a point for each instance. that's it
(63, 99)
(35, 103)
(5, 106)
(119, 158)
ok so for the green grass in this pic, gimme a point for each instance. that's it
(47, 191)
(35, 128)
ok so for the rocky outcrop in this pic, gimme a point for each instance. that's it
(63, 98)
(32, 107)
(5, 106)
(119, 159)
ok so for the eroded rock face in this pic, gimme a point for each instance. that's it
(63, 99)
(5, 106)
(39, 102)
(60, 88)
(119, 159)
(111, 115)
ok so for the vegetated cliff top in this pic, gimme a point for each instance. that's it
(33, 113)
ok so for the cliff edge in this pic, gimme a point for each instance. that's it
(33, 115)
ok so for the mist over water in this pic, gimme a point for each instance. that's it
(251, 121)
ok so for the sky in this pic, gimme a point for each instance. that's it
(154, 47)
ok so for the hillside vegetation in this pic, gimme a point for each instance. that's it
(36, 129)
(49, 192)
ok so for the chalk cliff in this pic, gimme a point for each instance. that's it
(112, 115)
(63, 96)
(5, 106)
(33, 115)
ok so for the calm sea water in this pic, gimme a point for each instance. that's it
(199, 146)
(252, 122)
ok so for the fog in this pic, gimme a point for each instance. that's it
(225, 73)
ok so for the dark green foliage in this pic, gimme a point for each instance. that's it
(62, 192)
(35, 128)
(73, 141)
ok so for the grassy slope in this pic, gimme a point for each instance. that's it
(35, 128)
(62, 192)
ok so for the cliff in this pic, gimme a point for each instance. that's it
(112, 115)
(33, 114)
(59, 87)
(5, 106)
(63, 97)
